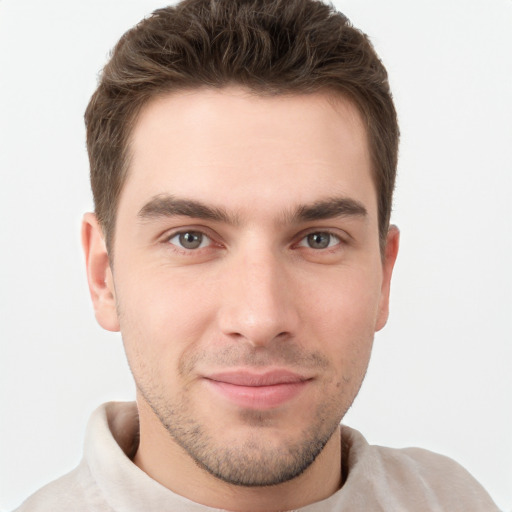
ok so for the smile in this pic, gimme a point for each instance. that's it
(258, 391)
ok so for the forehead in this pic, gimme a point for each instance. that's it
(230, 147)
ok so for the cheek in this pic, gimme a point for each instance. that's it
(344, 314)
(347, 301)
(161, 318)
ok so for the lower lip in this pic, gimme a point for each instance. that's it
(258, 397)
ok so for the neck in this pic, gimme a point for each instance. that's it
(167, 463)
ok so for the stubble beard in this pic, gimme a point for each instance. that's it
(251, 462)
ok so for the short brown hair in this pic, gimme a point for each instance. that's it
(267, 46)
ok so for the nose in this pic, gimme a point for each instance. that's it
(258, 303)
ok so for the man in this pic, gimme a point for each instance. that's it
(243, 158)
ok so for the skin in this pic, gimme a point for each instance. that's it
(288, 277)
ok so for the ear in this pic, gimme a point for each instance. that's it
(99, 273)
(388, 262)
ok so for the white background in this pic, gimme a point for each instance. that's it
(440, 375)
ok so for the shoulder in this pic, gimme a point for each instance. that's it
(414, 476)
(81, 489)
(73, 491)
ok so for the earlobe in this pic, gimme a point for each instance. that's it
(388, 262)
(99, 273)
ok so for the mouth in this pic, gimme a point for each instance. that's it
(261, 391)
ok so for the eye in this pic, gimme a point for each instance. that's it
(190, 240)
(320, 240)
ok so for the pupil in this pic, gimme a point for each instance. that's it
(319, 240)
(191, 240)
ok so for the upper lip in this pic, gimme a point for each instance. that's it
(251, 378)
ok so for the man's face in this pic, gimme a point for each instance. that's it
(247, 275)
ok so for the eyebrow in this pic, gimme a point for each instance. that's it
(169, 206)
(328, 209)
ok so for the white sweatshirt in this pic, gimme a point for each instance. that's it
(379, 479)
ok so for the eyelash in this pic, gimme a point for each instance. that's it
(187, 251)
(301, 243)
(331, 236)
